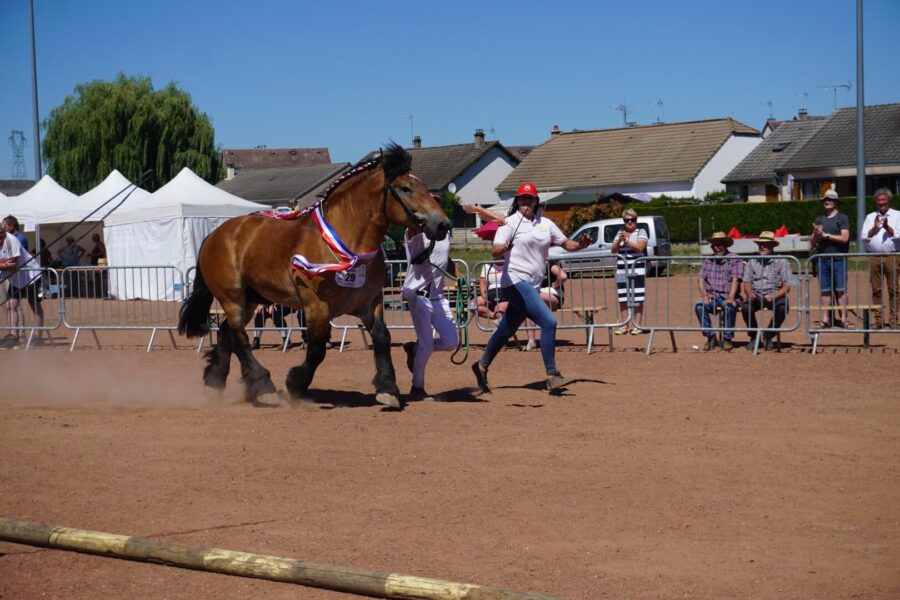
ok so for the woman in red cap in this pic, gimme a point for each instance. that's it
(523, 242)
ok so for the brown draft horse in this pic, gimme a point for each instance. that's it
(247, 260)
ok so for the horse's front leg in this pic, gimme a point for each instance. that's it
(256, 378)
(318, 333)
(385, 381)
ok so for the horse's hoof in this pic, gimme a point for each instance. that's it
(213, 394)
(269, 399)
(387, 399)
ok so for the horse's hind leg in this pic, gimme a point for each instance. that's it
(218, 359)
(300, 377)
(385, 381)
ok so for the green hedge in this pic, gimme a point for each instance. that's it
(750, 218)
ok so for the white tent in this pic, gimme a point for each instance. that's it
(45, 199)
(109, 193)
(166, 229)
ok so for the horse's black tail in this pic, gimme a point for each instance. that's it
(194, 319)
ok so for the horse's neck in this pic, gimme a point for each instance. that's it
(357, 214)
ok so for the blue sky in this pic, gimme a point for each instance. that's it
(346, 74)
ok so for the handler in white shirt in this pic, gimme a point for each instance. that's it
(23, 273)
(423, 290)
(523, 243)
(881, 231)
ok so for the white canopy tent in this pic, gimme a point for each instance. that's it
(166, 229)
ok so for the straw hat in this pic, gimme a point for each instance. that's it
(767, 238)
(720, 237)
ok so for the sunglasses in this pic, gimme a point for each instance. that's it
(629, 220)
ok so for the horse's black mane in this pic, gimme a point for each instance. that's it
(394, 159)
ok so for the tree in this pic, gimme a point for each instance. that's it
(129, 126)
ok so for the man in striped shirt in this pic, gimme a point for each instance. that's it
(719, 285)
(766, 286)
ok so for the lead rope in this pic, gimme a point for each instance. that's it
(461, 304)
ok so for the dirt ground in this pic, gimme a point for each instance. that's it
(679, 474)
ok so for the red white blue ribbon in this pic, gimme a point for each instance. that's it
(347, 257)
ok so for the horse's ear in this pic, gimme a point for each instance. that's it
(395, 161)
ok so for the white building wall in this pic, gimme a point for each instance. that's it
(733, 151)
(477, 184)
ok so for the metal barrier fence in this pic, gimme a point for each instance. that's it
(19, 319)
(121, 299)
(149, 298)
(863, 295)
(589, 299)
(670, 307)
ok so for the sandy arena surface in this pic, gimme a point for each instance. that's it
(679, 474)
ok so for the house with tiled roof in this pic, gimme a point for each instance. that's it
(758, 178)
(283, 186)
(828, 158)
(238, 159)
(685, 159)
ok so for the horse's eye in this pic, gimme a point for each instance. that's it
(406, 189)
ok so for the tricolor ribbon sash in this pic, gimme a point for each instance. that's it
(347, 257)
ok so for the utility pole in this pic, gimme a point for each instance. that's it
(34, 97)
(860, 131)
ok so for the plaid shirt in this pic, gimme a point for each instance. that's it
(717, 274)
(766, 274)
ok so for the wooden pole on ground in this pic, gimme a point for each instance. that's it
(244, 564)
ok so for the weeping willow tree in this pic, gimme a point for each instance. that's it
(129, 126)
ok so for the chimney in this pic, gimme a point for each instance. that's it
(555, 131)
(802, 114)
(479, 138)
(417, 141)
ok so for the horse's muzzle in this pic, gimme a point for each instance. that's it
(436, 227)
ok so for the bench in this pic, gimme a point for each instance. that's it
(587, 314)
(866, 310)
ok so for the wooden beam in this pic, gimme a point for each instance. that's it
(244, 564)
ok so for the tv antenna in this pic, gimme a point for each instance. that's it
(805, 95)
(834, 90)
(659, 114)
(492, 133)
(623, 108)
(769, 104)
(17, 143)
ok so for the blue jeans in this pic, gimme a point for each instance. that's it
(524, 301)
(832, 274)
(705, 310)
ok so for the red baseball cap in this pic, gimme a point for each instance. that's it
(527, 189)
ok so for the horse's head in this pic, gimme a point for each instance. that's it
(409, 203)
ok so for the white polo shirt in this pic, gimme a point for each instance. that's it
(525, 262)
(425, 276)
(29, 270)
(881, 241)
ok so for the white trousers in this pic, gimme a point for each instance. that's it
(427, 314)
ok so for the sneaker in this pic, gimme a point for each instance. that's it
(710, 343)
(531, 345)
(727, 345)
(481, 377)
(557, 381)
(10, 341)
(637, 331)
(621, 330)
(417, 394)
(410, 349)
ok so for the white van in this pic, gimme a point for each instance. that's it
(602, 233)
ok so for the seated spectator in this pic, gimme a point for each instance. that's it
(766, 286)
(491, 301)
(98, 251)
(719, 285)
(279, 315)
(552, 292)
